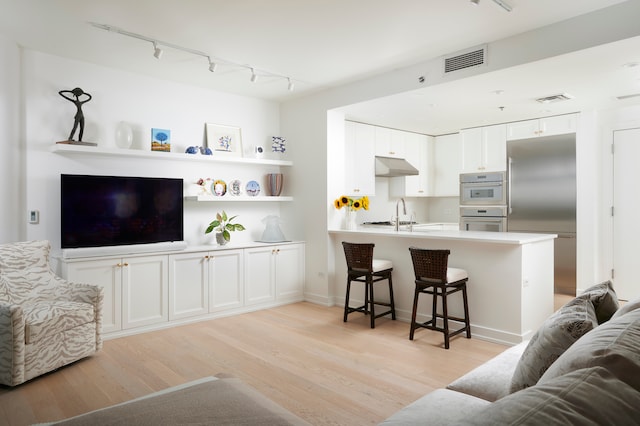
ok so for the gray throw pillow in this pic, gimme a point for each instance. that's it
(631, 305)
(556, 334)
(604, 300)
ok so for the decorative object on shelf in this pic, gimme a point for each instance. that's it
(235, 187)
(124, 135)
(259, 151)
(224, 140)
(219, 187)
(274, 184)
(278, 144)
(191, 150)
(205, 186)
(223, 226)
(79, 97)
(205, 150)
(272, 232)
(161, 140)
(252, 188)
(351, 206)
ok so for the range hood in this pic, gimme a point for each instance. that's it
(393, 167)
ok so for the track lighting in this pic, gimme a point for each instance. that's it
(503, 4)
(475, 2)
(157, 52)
(213, 61)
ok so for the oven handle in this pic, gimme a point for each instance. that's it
(509, 161)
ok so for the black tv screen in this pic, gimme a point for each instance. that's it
(115, 210)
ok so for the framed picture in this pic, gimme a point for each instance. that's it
(224, 140)
(161, 140)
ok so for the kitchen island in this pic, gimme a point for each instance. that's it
(510, 285)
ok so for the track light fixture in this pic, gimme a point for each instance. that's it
(503, 4)
(157, 52)
(213, 61)
(475, 2)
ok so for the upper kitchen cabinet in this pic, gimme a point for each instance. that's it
(549, 126)
(359, 159)
(390, 143)
(447, 165)
(484, 149)
(417, 152)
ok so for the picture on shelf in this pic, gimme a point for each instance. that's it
(224, 140)
(160, 140)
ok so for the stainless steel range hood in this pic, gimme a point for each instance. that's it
(393, 167)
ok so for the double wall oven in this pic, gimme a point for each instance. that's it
(483, 202)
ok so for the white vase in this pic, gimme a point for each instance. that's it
(351, 220)
(220, 239)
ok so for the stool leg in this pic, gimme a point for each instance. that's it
(413, 313)
(467, 321)
(346, 300)
(371, 299)
(393, 304)
(445, 318)
(434, 307)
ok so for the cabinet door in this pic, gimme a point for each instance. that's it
(494, 140)
(145, 290)
(447, 165)
(389, 142)
(289, 276)
(188, 285)
(106, 274)
(359, 159)
(226, 280)
(523, 129)
(558, 125)
(259, 273)
(417, 148)
(472, 150)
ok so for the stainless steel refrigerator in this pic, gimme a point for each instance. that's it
(541, 198)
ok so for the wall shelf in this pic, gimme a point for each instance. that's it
(173, 156)
(212, 198)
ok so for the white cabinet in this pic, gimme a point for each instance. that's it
(484, 149)
(417, 151)
(188, 285)
(557, 125)
(274, 273)
(226, 279)
(390, 142)
(359, 159)
(447, 165)
(136, 288)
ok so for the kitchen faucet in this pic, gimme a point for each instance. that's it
(404, 211)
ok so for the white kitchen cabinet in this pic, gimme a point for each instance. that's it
(417, 151)
(145, 290)
(188, 285)
(548, 126)
(107, 274)
(447, 165)
(484, 149)
(274, 273)
(359, 159)
(226, 279)
(390, 142)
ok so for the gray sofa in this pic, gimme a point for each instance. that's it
(582, 367)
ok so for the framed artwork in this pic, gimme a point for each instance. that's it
(161, 140)
(224, 140)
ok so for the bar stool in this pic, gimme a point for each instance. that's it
(433, 276)
(362, 267)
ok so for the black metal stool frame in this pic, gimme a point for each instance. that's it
(359, 258)
(430, 267)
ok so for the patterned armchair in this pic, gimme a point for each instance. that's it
(45, 321)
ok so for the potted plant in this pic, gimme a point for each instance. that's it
(223, 226)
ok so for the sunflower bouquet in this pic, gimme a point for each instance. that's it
(352, 204)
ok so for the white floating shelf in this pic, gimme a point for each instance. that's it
(225, 198)
(174, 156)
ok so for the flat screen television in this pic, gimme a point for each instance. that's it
(100, 211)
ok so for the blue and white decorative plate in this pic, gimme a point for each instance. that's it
(253, 188)
(234, 187)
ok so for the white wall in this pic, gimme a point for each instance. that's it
(11, 144)
(144, 103)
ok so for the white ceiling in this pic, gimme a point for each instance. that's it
(323, 44)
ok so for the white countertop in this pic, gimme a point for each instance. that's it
(475, 236)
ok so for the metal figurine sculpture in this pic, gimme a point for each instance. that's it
(79, 117)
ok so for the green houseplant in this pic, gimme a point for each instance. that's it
(223, 226)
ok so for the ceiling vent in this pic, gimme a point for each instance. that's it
(555, 98)
(470, 58)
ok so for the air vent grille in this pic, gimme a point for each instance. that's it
(465, 60)
(555, 98)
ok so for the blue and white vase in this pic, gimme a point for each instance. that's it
(278, 144)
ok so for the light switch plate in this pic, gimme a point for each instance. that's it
(34, 216)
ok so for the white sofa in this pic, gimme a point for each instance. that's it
(45, 321)
(582, 367)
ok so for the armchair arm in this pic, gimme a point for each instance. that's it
(12, 346)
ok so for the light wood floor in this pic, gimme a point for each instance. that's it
(302, 356)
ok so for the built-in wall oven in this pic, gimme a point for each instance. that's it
(483, 202)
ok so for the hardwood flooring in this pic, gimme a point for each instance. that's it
(302, 356)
